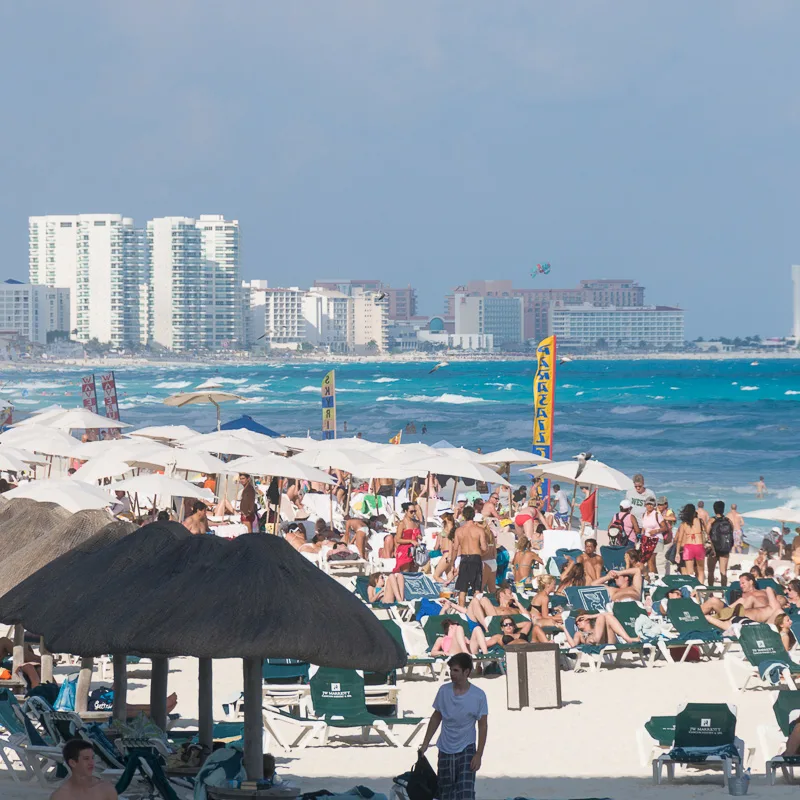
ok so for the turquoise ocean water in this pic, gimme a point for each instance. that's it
(696, 429)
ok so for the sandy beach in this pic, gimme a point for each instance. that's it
(588, 748)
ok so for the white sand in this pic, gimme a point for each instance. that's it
(586, 749)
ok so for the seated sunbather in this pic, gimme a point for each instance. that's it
(386, 588)
(295, 535)
(572, 574)
(597, 629)
(540, 605)
(758, 605)
(455, 640)
(357, 531)
(629, 584)
(524, 559)
(480, 607)
(7, 650)
(315, 545)
(514, 633)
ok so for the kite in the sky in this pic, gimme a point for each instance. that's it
(439, 366)
(540, 269)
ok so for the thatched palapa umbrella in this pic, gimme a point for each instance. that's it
(253, 597)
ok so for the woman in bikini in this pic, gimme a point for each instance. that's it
(783, 622)
(455, 640)
(524, 559)
(597, 629)
(515, 633)
(541, 602)
(386, 588)
(444, 543)
(573, 574)
(690, 543)
(406, 537)
(526, 521)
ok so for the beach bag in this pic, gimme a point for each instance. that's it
(101, 699)
(66, 694)
(722, 536)
(421, 555)
(420, 782)
(343, 555)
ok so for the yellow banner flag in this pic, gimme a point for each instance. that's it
(329, 406)
(396, 439)
(544, 395)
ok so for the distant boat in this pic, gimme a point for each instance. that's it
(754, 363)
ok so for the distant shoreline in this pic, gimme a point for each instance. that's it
(120, 362)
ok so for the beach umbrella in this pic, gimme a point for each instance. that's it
(778, 514)
(223, 442)
(11, 463)
(265, 443)
(595, 473)
(511, 456)
(99, 468)
(66, 492)
(41, 416)
(155, 486)
(82, 419)
(27, 456)
(307, 443)
(125, 449)
(248, 423)
(212, 396)
(279, 467)
(459, 452)
(458, 467)
(41, 439)
(354, 462)
(276, 605)
(177, 458)
(167, 433)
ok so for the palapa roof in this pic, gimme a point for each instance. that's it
(22, 521)
(251, 597)
(75, 530)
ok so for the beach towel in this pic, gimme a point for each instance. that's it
(699, 754)
(772, 669)
(419, 586)
(221, 766)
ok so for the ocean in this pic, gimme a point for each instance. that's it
(695, 429)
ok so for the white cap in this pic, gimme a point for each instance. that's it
(625, 504)
(776, 529)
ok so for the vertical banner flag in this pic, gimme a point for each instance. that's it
(329, 406)
(110, 395)
(6, 416)
(544, 395)
(89, 393)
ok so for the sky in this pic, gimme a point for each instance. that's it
(427, 142)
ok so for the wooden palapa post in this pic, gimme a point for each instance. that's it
(253, 722)
(158, 691)
(120, 687)
(83, 685)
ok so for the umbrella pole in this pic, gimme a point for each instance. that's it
(347, 499)
(120, 687)
(205, 702)
(218, 410)
(158, 691)
(455, 491)
(83, 685)
(253, 722)
(19, 648)
(572, 505)
(47, 661)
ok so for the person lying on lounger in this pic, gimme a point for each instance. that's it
(455, 640)
(756, 605)
(629, 584)
(597, 629)
(386, 588)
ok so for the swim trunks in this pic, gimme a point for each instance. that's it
(470, 574)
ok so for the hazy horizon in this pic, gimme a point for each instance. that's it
(428, 143)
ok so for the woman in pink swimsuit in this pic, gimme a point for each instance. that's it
(690, 543)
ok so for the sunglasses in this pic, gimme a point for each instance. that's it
(508, 625)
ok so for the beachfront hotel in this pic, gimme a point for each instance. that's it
(33, 310)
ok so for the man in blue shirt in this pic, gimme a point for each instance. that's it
(458, 706)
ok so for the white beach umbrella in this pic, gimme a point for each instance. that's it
(167, 433)
(596, 473)
(96, 469)
(41, 439)
(209, 384)
(397, 472)
(122, 448)
(265, 443)
(778, 514)
(11, 463)
(41, 417)
(66, 492)
(183, 460)
(27, 456)
(347, 443)
(353, 461)
(212, 396)
(459, 452)
(223, 442)
(155, 486)
(458, 468)
(511, 456)
(83, 419)
(278, 467)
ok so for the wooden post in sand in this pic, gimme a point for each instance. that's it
(120, 687)
(18, 655)
(84, 684)
(47, 661)
(158, 691)
(205, 702)
(253, 722)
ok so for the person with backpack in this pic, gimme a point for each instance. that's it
(624, 527)
(722, 540)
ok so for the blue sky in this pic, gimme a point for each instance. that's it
(427, 142)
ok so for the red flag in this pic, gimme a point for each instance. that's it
(589, 507)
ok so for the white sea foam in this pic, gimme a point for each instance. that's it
(172, 385)
(311, 389)
(791, 392)
(452, 399)
(39, 385)
(629, 409)
(578, 394)
(689, 417)
(249, 400)
(383, 380)
(748, 388)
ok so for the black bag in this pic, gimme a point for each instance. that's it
(722, 535)
(101, 699)
(672, 555)
(420, 782)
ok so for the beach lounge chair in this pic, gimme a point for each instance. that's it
(590, 598)
(766, 661)
(667, 582)
(626, 613)
(20, 738)
(694, 629)
(424, 662)
(657, 736)
(143, 761)
(787, 714)
(614, 556)
(705, 734)
(591, 657)
(432, 626)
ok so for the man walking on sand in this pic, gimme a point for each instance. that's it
(737, 520)
(470, 545)
(457, 707)
(638, 496)
(81, 784)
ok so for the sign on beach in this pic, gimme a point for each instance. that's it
(544, 396)
(329, 406)
(109, 385)
(89, 393)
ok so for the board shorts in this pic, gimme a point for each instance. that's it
(470, 574)
(693, 552)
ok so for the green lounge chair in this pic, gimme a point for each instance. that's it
(674, 582)
(614, 556)
(626, 613)
(591, 657)
(694, 629)
(786, 706)
(338, 699)
(432, 627)
(594, 599)
(705, 734)
(763, 653)
(362, 590)
(413, 662)
(657, 736)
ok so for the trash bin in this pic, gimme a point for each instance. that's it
(533, 677)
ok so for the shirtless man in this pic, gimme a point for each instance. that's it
(197, 521)
(470, 545)
(295, 535)
(737, 520)
(761, 487)
(759, 605)
(82, 784)
(629, 584)
(592, 561)
(702, 514)
(490, 507)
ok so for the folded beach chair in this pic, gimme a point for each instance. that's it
(590, 598)
(657, 736)
(425, 662)
(694, 629)
(614, 556)
(766, 661)
(705, 734)
(787, 714)
(19, 738)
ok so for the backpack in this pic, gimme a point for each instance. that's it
(421, 782)
(722, 535)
